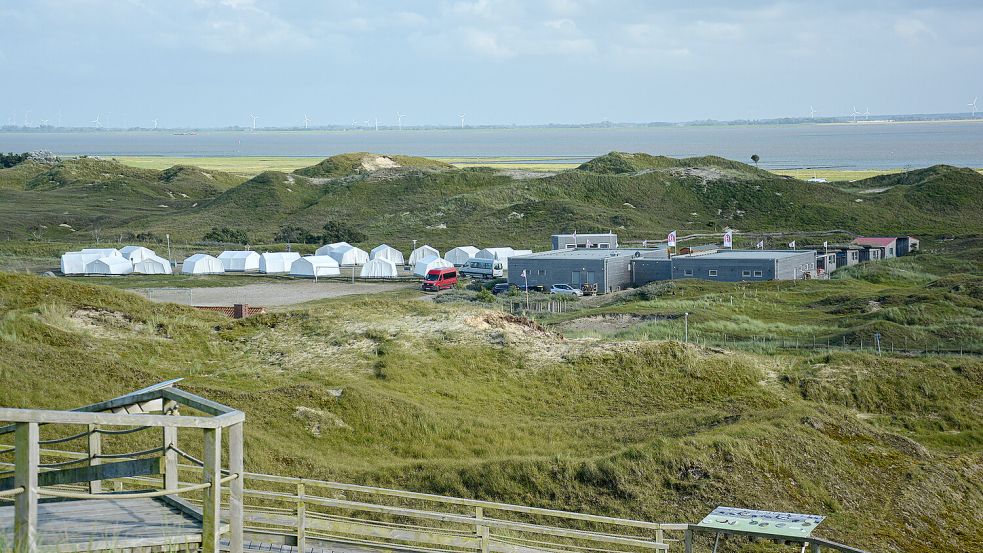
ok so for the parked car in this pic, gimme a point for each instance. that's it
(479, 267)
(503, 288)
(565, 289)
(439, 279)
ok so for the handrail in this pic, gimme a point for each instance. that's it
(12, 492)
(134, 495)
(76, 417)
(65, 439)
(468, 502)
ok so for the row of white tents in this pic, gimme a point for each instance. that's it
(382, 262)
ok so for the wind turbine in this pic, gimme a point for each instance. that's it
(376, 123)
(973, 106)
(255, 117)
(855, 114)
(866, 114)
(399, 119)
(462, 116)
(812, 112)
(96, 121)
(155, 124)
(44, 122)
(307, 121)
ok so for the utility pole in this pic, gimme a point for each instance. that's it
(169, 258)
(686, 327)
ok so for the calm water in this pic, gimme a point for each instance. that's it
(862, 146)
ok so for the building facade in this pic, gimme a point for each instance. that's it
(609, 269)
(845, 257)
(607, 241)
(728, 266)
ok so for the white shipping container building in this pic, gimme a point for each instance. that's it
(423, 252)
(152, 265)
(348, 256)
(379, 268)
(277, 262)
(202, 264)
(461, 255)
(314, 266)
(239, 261)
(386, 251)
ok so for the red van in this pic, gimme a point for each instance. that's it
(439, 279)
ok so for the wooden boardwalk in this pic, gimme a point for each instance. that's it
(117, 524)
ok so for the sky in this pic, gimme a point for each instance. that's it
(207, 63)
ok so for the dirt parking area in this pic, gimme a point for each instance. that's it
(270, 294)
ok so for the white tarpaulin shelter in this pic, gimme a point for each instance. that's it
(379, 267)
(74, 263)
(387, 252)
(461, 254)
(424, 265)
(109, 265)
(328, 248)
(350, 255)
(136, 253)
(152, 265)
(202, 264)
(239, 260)
(423, 252)
(498, 254)
(103, 252)
(277, 262)
(315, 266)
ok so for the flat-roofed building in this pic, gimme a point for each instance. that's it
(728, 266)
(610, 269)
(606, 241)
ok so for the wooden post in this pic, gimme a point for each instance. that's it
(170, 456)
(301, 519)
(95, 449)
(481, 530)
(26, 459)
(688, 541)
(236, 517)
(211, 508)
(660, 536)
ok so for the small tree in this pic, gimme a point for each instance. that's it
(296, 235)
(340, 232)
(755, 158)
(227, 235)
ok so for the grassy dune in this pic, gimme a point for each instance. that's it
(457, 399)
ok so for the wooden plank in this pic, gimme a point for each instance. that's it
(236, 488)
(391, 533)
(169, 442)
(46, 416)
(301, 518)
(120, 469)
(26, 459)
(94, 450)
(212, 500)
(195, 402)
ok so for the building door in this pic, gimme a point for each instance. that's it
(575, 279)
(591, 277)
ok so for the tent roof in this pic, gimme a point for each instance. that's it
(320, 260)
(236, 254)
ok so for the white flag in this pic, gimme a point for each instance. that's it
(729, 239)
(523, 275)
(826, 244)
(761, 245)
(672, 239)
(587, 244)
(792, 244)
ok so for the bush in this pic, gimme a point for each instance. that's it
(227, 235)
(11, 159)
(296, 235)
(485, 296)
(340, 232)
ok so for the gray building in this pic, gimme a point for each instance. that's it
(728, 266)
(847, 256)
(825, 262)
(907, 244)
(888, 246)
(605, 241)
(610, 269)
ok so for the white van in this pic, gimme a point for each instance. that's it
(479, 267)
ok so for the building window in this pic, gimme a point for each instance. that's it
(687, 272)
(571, 246)
(712, 272)
(541, 272)
(604, 245)
(745, 273)
(757, 273)
(890, 251)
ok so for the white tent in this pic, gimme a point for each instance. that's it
(460, 255)
(349, 255)
(136, 253)
(74, 263)
(202, 264)
(152, 265)
(314, 266)
(422, 252)
(109, 265)
(387, 252)
(424, 265)
(328, 248)
(277, 262)
(239, 260)
(102, 252)
(498, 254)
(379, 267)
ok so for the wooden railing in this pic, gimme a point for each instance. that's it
(27, 479)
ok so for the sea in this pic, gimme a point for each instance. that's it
(849, 146)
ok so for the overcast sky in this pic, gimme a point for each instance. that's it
(215, 62)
